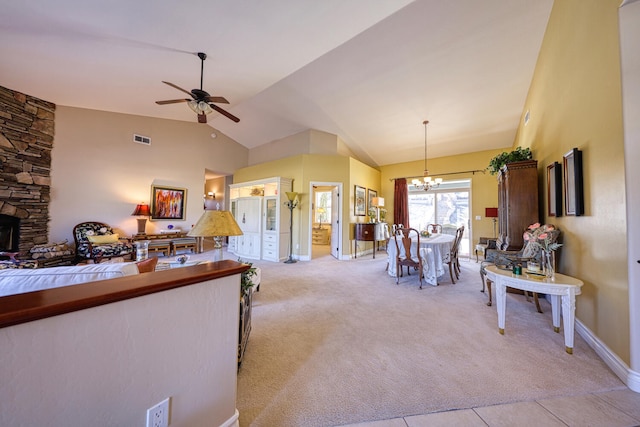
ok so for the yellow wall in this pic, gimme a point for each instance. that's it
(575, 101)
(484, 187)
(307, 168)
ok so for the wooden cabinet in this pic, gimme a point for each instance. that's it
(369, 232)
(320, 236)
(257, 208)
(517, 202)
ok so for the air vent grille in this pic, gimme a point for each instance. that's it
(140, 139)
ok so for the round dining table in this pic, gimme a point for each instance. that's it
(435, 251)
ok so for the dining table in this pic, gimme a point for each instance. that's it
(435, 251)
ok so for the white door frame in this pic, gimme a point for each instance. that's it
(340, 217)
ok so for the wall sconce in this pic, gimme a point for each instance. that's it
(211, 195)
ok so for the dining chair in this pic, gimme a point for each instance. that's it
(452, 259)
(409, 240)
(435, 228)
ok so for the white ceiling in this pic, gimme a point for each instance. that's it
(367, 71)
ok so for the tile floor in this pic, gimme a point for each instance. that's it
(620, 408)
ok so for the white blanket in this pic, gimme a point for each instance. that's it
(18, 281)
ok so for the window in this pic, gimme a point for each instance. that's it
(322, 211)
(447, 205)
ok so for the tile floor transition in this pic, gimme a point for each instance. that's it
(619, 408)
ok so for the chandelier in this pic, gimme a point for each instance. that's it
(426, 183)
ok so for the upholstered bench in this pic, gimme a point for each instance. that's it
(180, 243)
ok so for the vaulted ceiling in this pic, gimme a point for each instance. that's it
(367, 71)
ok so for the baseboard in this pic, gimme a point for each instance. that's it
(233, 421)
(629, 377)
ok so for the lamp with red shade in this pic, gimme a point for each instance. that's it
(143, 212)
(493, 214)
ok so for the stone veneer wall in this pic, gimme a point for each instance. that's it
(27, 127)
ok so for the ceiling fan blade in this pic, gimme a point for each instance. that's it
(177, 87)
(202, 118)
(172, 101)
(218, 99)
(224, 113)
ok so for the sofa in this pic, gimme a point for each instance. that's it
(17, 280)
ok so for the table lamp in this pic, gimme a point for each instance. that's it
(321, 212)
(143, 212)
(216, 224)
(377, 202)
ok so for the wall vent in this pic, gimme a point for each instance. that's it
(140, 139)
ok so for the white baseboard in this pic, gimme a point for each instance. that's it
(233, 421)
(629, 377)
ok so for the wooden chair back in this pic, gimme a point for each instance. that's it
(407, 239)
(435, 228)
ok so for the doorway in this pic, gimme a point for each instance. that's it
(325, 234)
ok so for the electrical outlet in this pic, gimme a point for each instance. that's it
(158, 415)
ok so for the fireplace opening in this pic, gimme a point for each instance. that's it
(9, 233)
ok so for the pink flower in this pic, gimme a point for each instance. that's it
(534, 226)
(543, 236)
(526, 236)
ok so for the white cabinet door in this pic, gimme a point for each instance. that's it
(249, 218)
(249, 214)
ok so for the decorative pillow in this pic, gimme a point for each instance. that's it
(148, 265)
(107, 238)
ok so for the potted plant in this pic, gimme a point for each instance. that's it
(517, 155)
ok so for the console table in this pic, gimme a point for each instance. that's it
(563, 290)
(368, 232)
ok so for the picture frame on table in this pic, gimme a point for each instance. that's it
(370, 195)
(573, 187)
(554, 189)
(168, 202)
(359, 201)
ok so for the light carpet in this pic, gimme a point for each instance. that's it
(338, 342)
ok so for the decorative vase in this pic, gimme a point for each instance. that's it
(549, 264)
(142, 250)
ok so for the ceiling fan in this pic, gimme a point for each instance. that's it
(201, 102)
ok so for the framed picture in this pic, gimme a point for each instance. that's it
(573, 191)
(370, 195)
(168, 202)
(554, 189)
(359, 201)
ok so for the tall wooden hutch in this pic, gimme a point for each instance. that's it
(517, 202)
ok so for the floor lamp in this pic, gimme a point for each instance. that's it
(493, 214)
(291, 204)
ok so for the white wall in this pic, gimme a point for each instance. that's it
(629, 35)
(99, 174)
(107, 365)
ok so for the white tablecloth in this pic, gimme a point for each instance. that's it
(434, 250)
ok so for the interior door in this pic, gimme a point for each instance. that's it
(335, 223)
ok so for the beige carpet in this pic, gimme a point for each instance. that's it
(338, 342)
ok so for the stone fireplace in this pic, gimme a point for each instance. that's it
(26, 140)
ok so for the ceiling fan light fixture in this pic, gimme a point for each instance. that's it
(200, 107)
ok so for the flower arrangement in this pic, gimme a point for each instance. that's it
(543, 236)
(425, 233)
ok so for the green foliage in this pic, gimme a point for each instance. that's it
(245, 277)
(517, 155)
